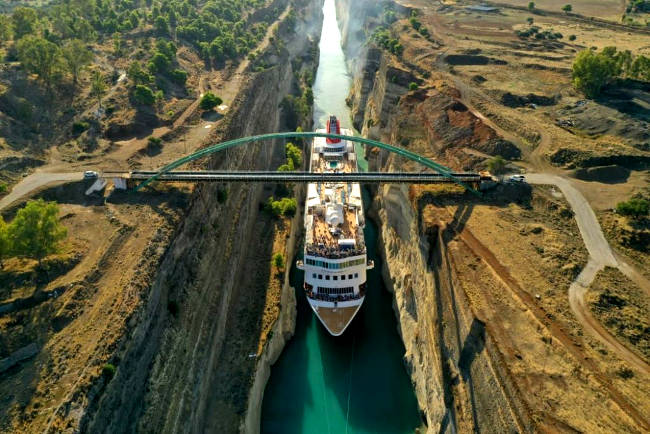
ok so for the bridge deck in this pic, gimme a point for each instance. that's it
(361, 177)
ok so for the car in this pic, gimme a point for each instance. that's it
(90, 174)
(516, 178)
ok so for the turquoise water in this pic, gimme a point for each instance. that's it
(355, 383)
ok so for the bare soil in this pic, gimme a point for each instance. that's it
(623, 308)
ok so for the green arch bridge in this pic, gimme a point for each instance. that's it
(441, 170)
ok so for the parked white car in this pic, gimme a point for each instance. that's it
(516, 178)
(90, 174)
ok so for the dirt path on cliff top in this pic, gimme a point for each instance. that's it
(36, 181)
(600, 256)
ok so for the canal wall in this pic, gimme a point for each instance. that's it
(185, 364)
(459, 380)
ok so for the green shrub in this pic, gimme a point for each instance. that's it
(154, 143)
(278, 261)
(79, 127)
(294, 154)
(285, 206)
(413, 86)
(108, 371)
(178, 76)
(572, 37)
(635, 208)
(3, 187)
(209, 101)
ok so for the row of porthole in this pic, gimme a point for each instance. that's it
(334, 277)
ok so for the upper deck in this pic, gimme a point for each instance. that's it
(334, 211)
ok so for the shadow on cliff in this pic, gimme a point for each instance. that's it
(473, 345)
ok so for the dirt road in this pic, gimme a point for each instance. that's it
(600, 256)
(35, 181)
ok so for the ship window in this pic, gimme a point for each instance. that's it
(320, 276)
(327, 277)
(349, 276)
(336, 277)
(356, 275)
(313, 275)
(343, 277)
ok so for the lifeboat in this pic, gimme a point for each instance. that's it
(333, 127)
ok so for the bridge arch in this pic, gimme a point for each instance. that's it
(445, 171)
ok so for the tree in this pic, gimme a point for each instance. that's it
(25, 22)
(209, 101)
(530, 21)
(635, 208)
(97, 86)
(36, 231)
(294, 155)
(158, 63)
(144, 95)
(285, 206)
(497, 165)
(76, 57)
(161, 25)
(39, 56)
(278, 261)
(531, 6)
(6, 28)
(640, 68)
(591, 71)
(137, 74)
(567, 8)
(5, 241)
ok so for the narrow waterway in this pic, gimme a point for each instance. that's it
(355, 383)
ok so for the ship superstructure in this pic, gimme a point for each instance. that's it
(335, 260)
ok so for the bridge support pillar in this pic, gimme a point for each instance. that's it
(120, 183)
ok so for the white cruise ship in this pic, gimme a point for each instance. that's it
(335, 261)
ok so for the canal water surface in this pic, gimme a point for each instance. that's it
(354, 383)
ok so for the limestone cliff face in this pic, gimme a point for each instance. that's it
(450, 356)
(180, 369)
(408, 276)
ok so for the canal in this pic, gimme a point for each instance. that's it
(355, 383)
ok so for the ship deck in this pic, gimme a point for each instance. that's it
(336, 319)
(322, 234)
(338, 193)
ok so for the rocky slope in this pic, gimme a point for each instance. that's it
(186, 364)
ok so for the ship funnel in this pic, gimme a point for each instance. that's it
(333, 127)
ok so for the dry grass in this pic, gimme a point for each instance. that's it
(622, 307)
